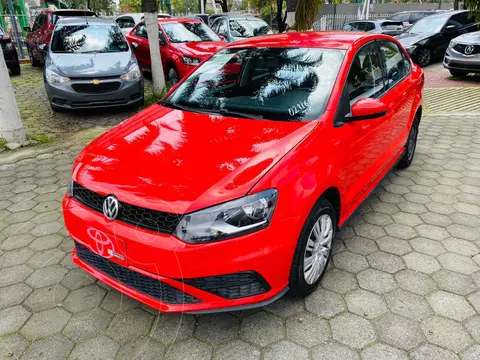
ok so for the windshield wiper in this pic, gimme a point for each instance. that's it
(224, 111)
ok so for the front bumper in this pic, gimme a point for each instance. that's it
(218, 276)
(457, 61)
(69, 95)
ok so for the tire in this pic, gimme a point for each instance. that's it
(303, 279)
(33, 61)
(15, 69)
(423, 57)
(458, 73)
(172, 75)
(410, 146)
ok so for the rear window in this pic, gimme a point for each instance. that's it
(59, 14)
(88, 39)
(392, 25)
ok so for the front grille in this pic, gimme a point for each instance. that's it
(104, 87)
(144, 284)
(153, 220)
(461, 49)
(232, 286)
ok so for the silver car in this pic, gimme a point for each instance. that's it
(463, 54)
(89, 64)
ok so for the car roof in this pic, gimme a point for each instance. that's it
(75, 20)
(246, 17)
(50, 11)
(178, 20)
(446, 14)
(324, 39)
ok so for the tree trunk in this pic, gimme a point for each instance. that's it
(223, 4)
(151, 22)
(11, 127)
(280, 22)
(455, 4)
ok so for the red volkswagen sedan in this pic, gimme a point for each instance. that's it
(184, 44)
(229, 192)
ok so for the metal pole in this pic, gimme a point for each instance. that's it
(15, 29)
(202, 6)
(186, 7)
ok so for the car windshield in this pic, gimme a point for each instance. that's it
(289, 84)
(249, 27)
(429, 24)
(88, 39)
(189, 32)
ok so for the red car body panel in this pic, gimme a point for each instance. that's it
(176, 161)
(171, 53)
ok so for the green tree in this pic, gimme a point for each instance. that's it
(306, 13)
(131, 5)
(474, 7)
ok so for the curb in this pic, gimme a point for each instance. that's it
(10, 157)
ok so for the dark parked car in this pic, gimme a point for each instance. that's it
(463, 55)
(241, 27)
(387, 27)
(428, 39)
(89, 64)
(411, 17)
(9, 53)
(201, 17)
(41, 32)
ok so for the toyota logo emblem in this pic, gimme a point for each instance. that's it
(469, 49)
(111, 207)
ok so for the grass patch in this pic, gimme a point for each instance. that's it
(41, 138)
(3, 142)
(151, 98)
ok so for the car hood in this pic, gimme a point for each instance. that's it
(200, 49)
(88, 65)
(178, 162)
(409, 39)
(469, 38)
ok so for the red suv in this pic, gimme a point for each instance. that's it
(228, 194)
(185, 43)
(39, 36)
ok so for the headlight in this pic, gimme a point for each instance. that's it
(133, 74)
(234, 218)
(54, 79)
(452, 44)
(411, 49)
(187, 60)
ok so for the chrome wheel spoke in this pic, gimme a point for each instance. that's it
(318, 248)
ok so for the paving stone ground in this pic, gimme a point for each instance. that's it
(404, 281)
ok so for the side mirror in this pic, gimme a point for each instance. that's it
(27, 29)
(43, 47)
(365, 109)
(450, 27)
(222, 37)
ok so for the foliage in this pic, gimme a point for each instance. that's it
(474, 7)
(41, 138)
(131, 5)
(101, 7)
(306, 13)
(179, 7)
(3, 142)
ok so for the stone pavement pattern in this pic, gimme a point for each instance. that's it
(404, 281)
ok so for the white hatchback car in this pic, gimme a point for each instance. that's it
(127, 22)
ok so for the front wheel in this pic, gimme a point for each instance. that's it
(314, 248)
(173, 76)
(458, 73)
(410, 146)
(423, 57)
(33, 61)
(15, 69)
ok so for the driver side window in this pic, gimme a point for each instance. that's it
(140, 31)
(365, 78)
(222, 28)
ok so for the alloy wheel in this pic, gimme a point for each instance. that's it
(318, 249)
(424, 57)
(412, 142)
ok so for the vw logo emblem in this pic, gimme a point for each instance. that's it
(469, 49)
(111, 207)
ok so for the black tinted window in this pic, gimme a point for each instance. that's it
(461, 19)
(88, 39)
(369, 26)
(140, 31)
(365, 78)
(126, 22)
(395, 62)
(401, 17)
(290, 84)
